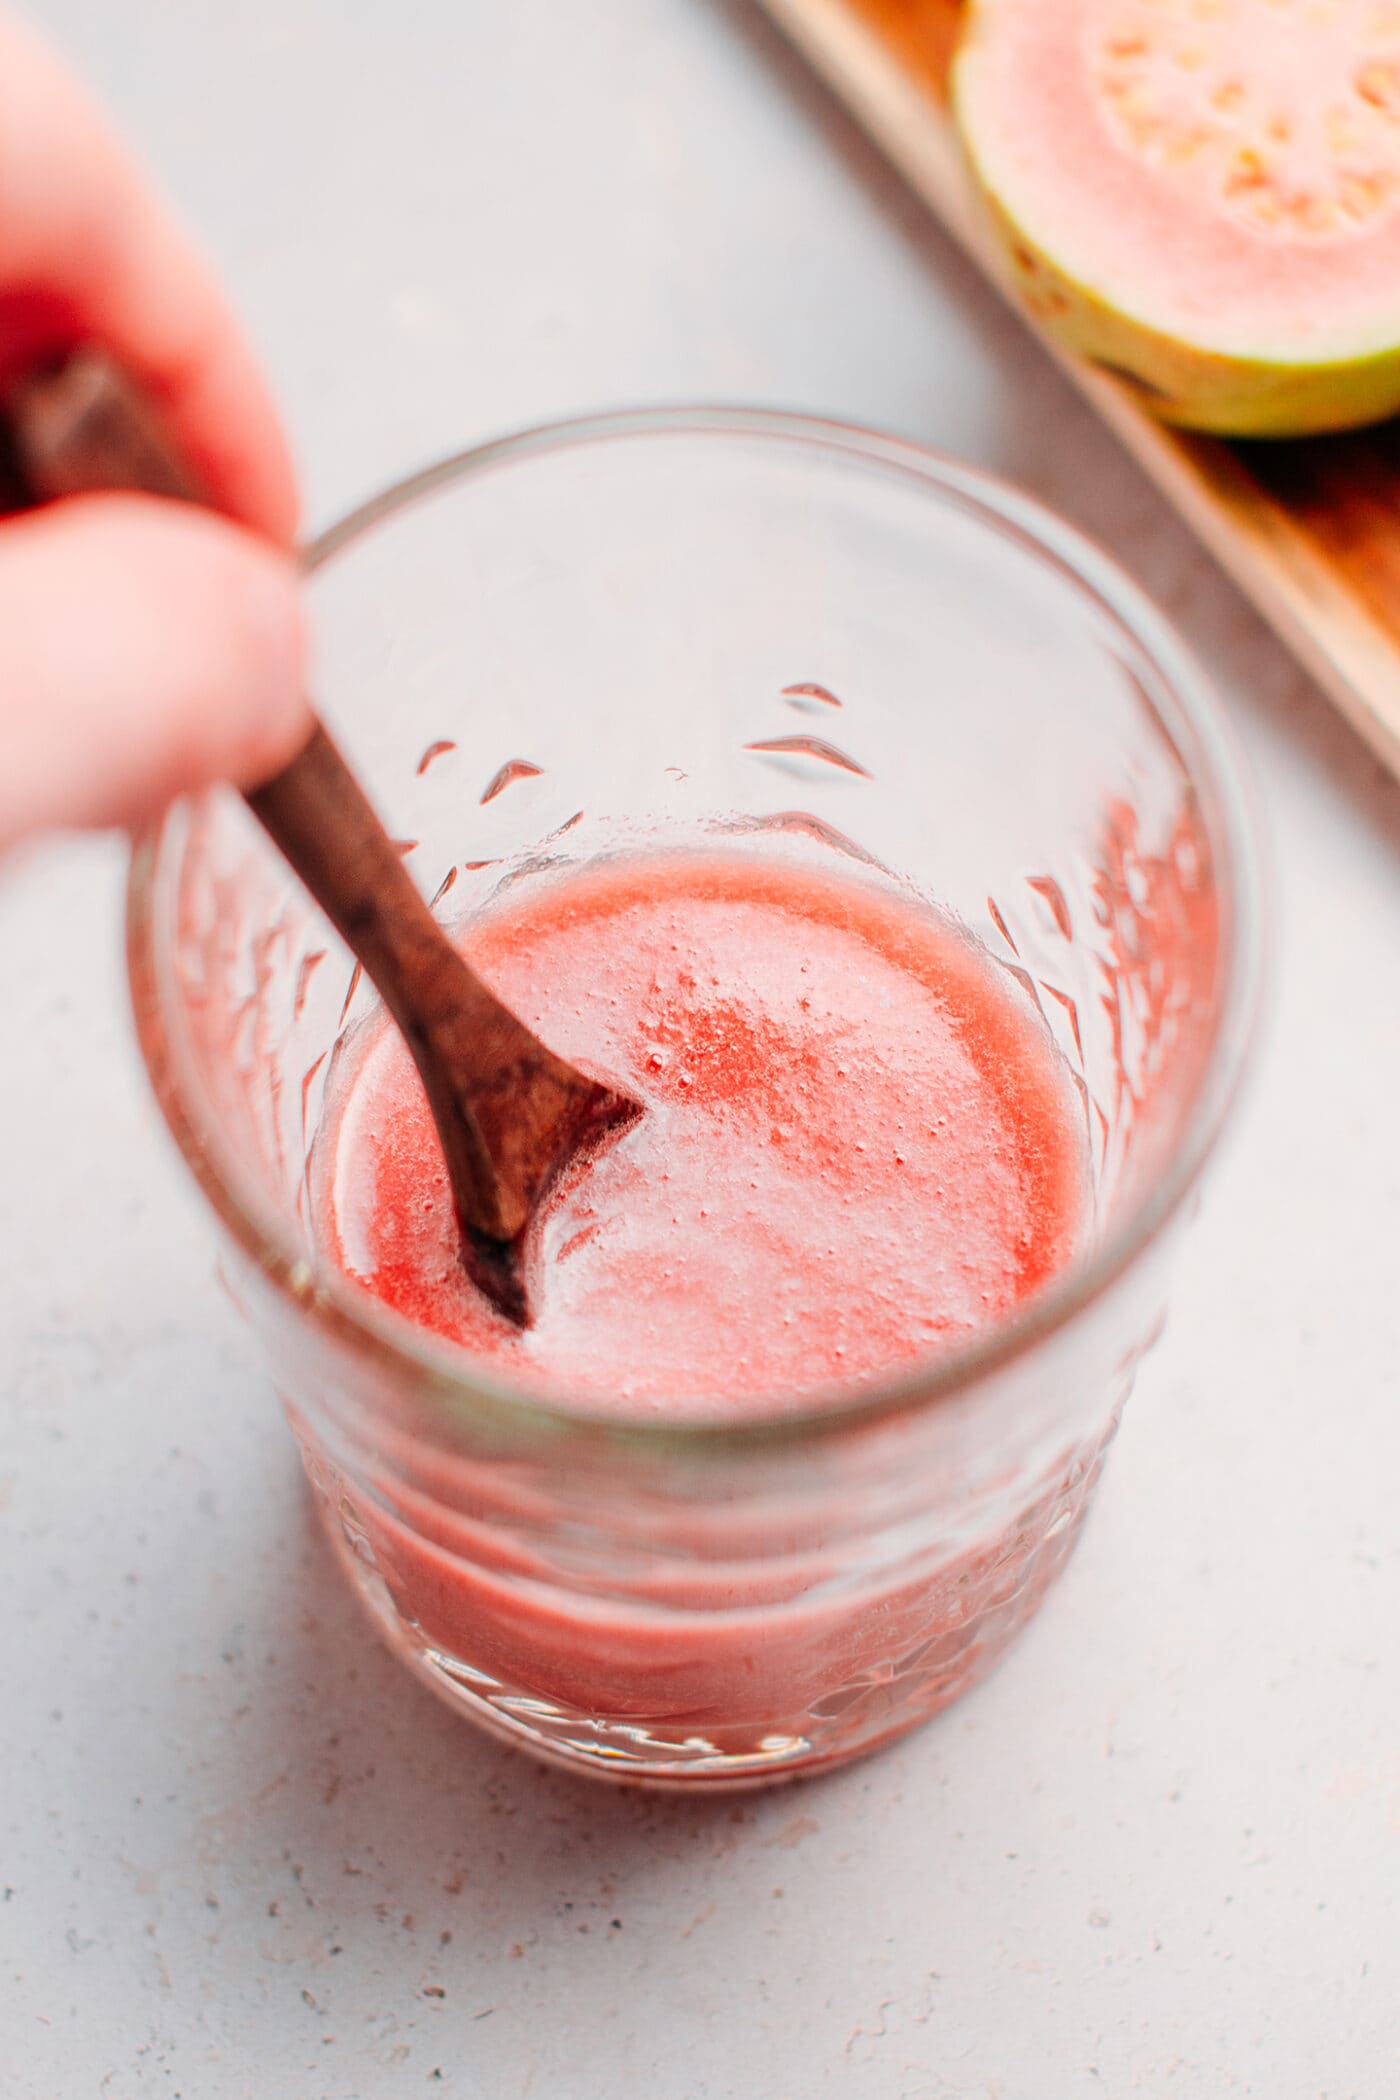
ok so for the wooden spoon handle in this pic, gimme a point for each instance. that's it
(321, 820)
(508, 1112)
(80, 427)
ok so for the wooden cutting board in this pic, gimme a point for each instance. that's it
(1310, 528)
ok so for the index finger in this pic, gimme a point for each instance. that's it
(89, 253)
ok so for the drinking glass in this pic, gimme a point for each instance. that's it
(756, 635)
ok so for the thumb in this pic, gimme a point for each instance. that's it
(145, 648)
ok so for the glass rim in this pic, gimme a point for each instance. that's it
(1215, 771)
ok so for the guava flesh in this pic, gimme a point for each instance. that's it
(1203, 194)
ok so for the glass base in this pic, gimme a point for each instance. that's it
(883, 1705)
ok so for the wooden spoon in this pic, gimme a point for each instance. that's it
(510, 1115)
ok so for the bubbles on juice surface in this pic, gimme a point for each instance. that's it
(858, 1148)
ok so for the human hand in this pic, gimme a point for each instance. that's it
(145, 647)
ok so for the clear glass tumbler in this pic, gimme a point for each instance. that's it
(782, 638)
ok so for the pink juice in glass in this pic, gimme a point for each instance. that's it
(860, 1147)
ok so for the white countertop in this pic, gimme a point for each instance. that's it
(241, 1853)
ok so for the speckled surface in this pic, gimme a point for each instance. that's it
(239, 1852)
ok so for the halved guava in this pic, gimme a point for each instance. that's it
(1203, 194)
